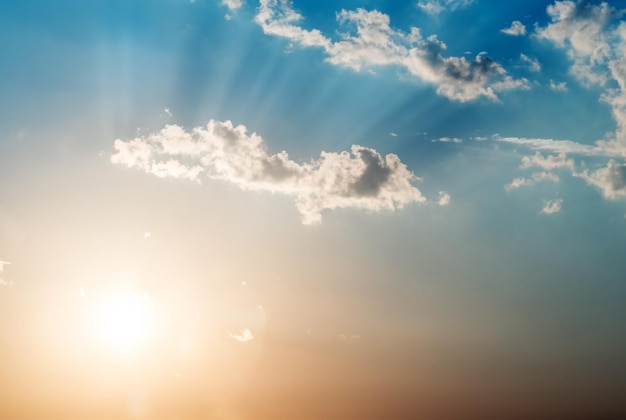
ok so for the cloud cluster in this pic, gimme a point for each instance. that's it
(361, 178)
(595, 40)
(371, 41)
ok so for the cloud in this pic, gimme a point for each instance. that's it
(595, 40)
(371, 41)
(548, 163)
(517, 28)
(552, 206)
(243, 337)
(434, 7)
(392, 134)
(232, 4)
(558, 87)
(2, 281)
(448, 140)
(535, 178)
(444, 198)
(561, 146)
(610, 180)
(361, 178)
(532, 63)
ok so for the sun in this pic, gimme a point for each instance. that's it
(125, 321)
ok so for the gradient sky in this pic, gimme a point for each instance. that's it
(291, 209)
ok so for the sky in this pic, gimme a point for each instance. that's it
(291, 209)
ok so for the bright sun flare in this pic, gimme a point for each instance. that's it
(125, 321)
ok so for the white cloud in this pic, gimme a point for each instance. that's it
(444, 198)
(561, 146)
(595, 41)
(552, 206)
(243, 337)
(361, 178)
(611, 180)
(167, 112)
(448, 140)
(434, 7)
(517, 28)
(558, 87)
(532, 63)
(372, 42)
(2, 281)
(535, 178)
(232, 4)
(548, 163)
(392, 134)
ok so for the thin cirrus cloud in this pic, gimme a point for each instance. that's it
(2, 281)
(376, 43)
(535, 178)
(434, 7)
(361, 178)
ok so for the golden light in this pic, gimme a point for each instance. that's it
(125, 321)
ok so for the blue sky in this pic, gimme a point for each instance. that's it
(317, 197)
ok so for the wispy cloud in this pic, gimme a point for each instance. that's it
(361, 178)
(371, 41)
(243, 337)
(535, 178)
(560, 146)
(517, 28)
(531, 62)
(2, 281)
(558, 86)
(552, 206)
(448, 140)
(434, 7)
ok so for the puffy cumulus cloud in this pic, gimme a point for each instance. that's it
(434, 7)
(361, 178)
(444, 198)
(243, 337)
(552, 206)
(233, 4)
(548, 163)
(535, 178)
(611, 180)
(558, 86)
(371, 41)
(594, 37)
(517, 28)
(581, 28)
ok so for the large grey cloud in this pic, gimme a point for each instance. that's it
(361, 178)
(370, 41)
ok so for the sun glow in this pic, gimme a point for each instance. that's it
(125, 321)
